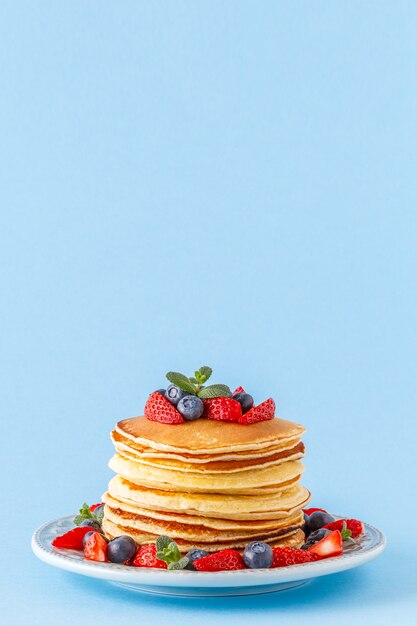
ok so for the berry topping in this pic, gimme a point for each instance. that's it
(260, 413)
(282, 557)
(318, 519)
(121, 549)
(220, 561)
(158, 409)
(93, 507)
(193, 555)
(95, 548)
(146, 557)
(73, 539)
(190, 407)
(222, 409)
(355, 526)
(257, 554)
(244, 399)
(174, 394)
(90, 523)
(315, 537)
(238, 390)
(312, 510)
(161, 391)
(331, 545)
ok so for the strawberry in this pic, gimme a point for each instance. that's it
(312, 510)
(238, 390)
(291, 556)
(159, 409)
(96, 548)
(355, 526)
(220, 561)
(260, 413)
(146, 557)
(223, 409)
(73, 539)
(331, 545)
(93, 507)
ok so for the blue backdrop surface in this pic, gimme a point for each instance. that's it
(230, 183)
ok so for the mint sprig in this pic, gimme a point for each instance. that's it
(168, 551)
(194, 385)
(85, 513)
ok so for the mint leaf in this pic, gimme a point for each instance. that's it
(85, 513)
(345, 532)
(163, 542)
(181, 564)
(99, 516)
(214, 391)
(203, 374)
(193, 380)
(181, 381)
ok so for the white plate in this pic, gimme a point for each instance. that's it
(189, 583)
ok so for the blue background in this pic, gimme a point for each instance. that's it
(230, 183)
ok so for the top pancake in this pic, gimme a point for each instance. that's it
(206, 436)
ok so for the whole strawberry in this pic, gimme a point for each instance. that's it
(146, 557)
(282, 557)
(220, 561)
(355, 526)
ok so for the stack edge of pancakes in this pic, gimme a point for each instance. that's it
(207, 484)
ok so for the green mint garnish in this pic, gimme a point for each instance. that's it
(193, 384)
(85, 513)
(168, 551)
(345, 532)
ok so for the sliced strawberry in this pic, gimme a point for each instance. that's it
(260, 413)
(312, 510)
(93, 507)
(223, 409)
(159, 409)
(331, 545)
(238, 390)
(282, 557)
(96, 548)
(220, 561)
(146, 557)
(73, 539)
(355, 526)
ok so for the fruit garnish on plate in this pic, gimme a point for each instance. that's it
(224, 560)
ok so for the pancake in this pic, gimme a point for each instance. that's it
(207, 484)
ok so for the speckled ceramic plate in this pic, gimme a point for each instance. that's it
(188, 583)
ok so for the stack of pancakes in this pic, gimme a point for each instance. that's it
(206, 483)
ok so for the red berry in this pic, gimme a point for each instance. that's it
(312, 510)
(291, 556)
(223, 409)
(146, 557)
(159, 409)
(96, 548)
(355, 526)
(220, 561)
(238, 390)
(260, 413)
(331, 545)
(73, 539)
(93, 507)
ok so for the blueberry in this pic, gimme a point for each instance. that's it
(174, 394)
(190, 407)
(161, 391)
(87, 535)
(121, 549)
(193, 555)
(318, 519)
(316, 536)
(258, 554)
(91, 524)
(244, 399)
(305, 527)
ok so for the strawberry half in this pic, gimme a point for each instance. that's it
(328, 546)
(260, 413)
(159, 409)
(355, 526)
(146, 557)
(222, 409)
(73, 539)
(238, 390)
(312, 510)
(96, 548)
(291, 556)
(220, 561)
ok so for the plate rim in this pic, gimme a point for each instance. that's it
(179, 578)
